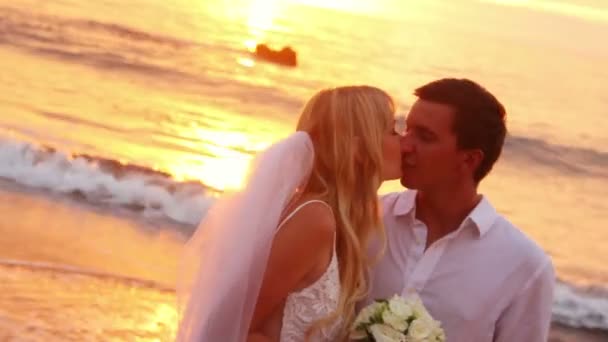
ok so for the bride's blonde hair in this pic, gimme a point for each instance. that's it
(347, 126)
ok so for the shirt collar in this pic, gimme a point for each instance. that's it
(482, 216)
(406, 203)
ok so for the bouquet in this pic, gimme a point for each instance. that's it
(397, 320)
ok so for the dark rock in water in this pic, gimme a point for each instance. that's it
(286, 56)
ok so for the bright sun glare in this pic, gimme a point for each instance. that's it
(262, 14)
(226, 171)
(260, 19)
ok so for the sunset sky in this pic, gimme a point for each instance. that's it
(588, 9)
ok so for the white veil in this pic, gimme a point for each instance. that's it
(225, 260)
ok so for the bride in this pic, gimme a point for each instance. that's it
(285, 258)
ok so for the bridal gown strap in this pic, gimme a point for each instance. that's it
(315, 302)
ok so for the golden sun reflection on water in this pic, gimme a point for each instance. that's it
(262, 14)
(226, 173)
(261, 19)
(164, 314)
(224, 160)
(246, 62)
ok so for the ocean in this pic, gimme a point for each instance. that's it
(121, 122)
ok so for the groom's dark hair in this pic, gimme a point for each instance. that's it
(479, 118)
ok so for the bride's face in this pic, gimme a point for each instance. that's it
(391, 153)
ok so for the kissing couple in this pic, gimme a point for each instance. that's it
(307, 243)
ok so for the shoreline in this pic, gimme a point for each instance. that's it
(103, 242)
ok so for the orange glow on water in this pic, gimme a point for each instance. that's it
(225, 156)
(559, 7)
(246, 62)
(222, 166)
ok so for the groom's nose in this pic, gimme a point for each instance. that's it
(407, 145)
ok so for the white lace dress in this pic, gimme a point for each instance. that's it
(315, 302)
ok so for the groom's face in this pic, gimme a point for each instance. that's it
(430, 157)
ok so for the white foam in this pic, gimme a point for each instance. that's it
(153, 193)
(581, 309)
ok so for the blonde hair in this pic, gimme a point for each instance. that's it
(347, 126)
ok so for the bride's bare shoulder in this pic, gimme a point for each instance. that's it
(312, 221)
(301, 247)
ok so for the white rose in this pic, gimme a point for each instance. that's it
(367, 312)
(400, 307)
(420, 329)
(384, 333)
(438, 334)
(440, 337)
(420, 312)
(396, 322)
(417, 306)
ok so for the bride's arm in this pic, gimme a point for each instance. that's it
(305, 241)
(258, 338)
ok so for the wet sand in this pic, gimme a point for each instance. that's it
(74, 273)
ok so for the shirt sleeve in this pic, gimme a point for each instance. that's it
(528, 317)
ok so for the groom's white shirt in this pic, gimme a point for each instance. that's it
(486, 281)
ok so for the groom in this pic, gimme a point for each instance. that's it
(475, 272)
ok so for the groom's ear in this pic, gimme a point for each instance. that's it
(472, 159)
